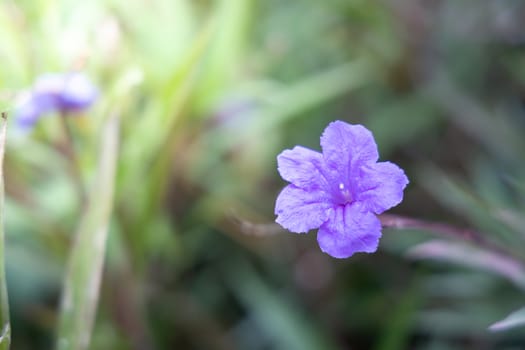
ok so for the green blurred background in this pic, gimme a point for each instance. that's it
(208, 92)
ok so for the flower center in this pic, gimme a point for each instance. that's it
(345, 193)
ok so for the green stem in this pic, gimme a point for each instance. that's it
(73, 162)
(81, 287)
(5, 335)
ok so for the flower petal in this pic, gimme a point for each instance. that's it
(31, 106)
(301, 166)
(73, 91)
(381, 186)
(350, 229)
(299, 210)
(346, 146)
(78, 93)
(49, 84)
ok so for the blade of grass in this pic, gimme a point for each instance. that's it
(470, 256)
(458, 196)
(515, 319)
(313, 91)
(81, 288)
(284, 323)
(5, 335)
(400, 322)
(232, 21)
(292, 102)
(475, 120)
(156, 144)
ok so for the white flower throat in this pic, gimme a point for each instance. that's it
(345, 192)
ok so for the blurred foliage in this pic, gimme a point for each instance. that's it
(207, 93)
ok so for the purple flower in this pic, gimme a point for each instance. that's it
(54, 92)
(339, 191)
(31, 106)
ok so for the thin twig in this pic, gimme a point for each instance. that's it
(496, 257)
(465, 234)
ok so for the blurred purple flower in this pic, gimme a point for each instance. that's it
(339, 191)
(55, 92)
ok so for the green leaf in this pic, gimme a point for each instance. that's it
(81, 289)
(231, 22)
(515, 319)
